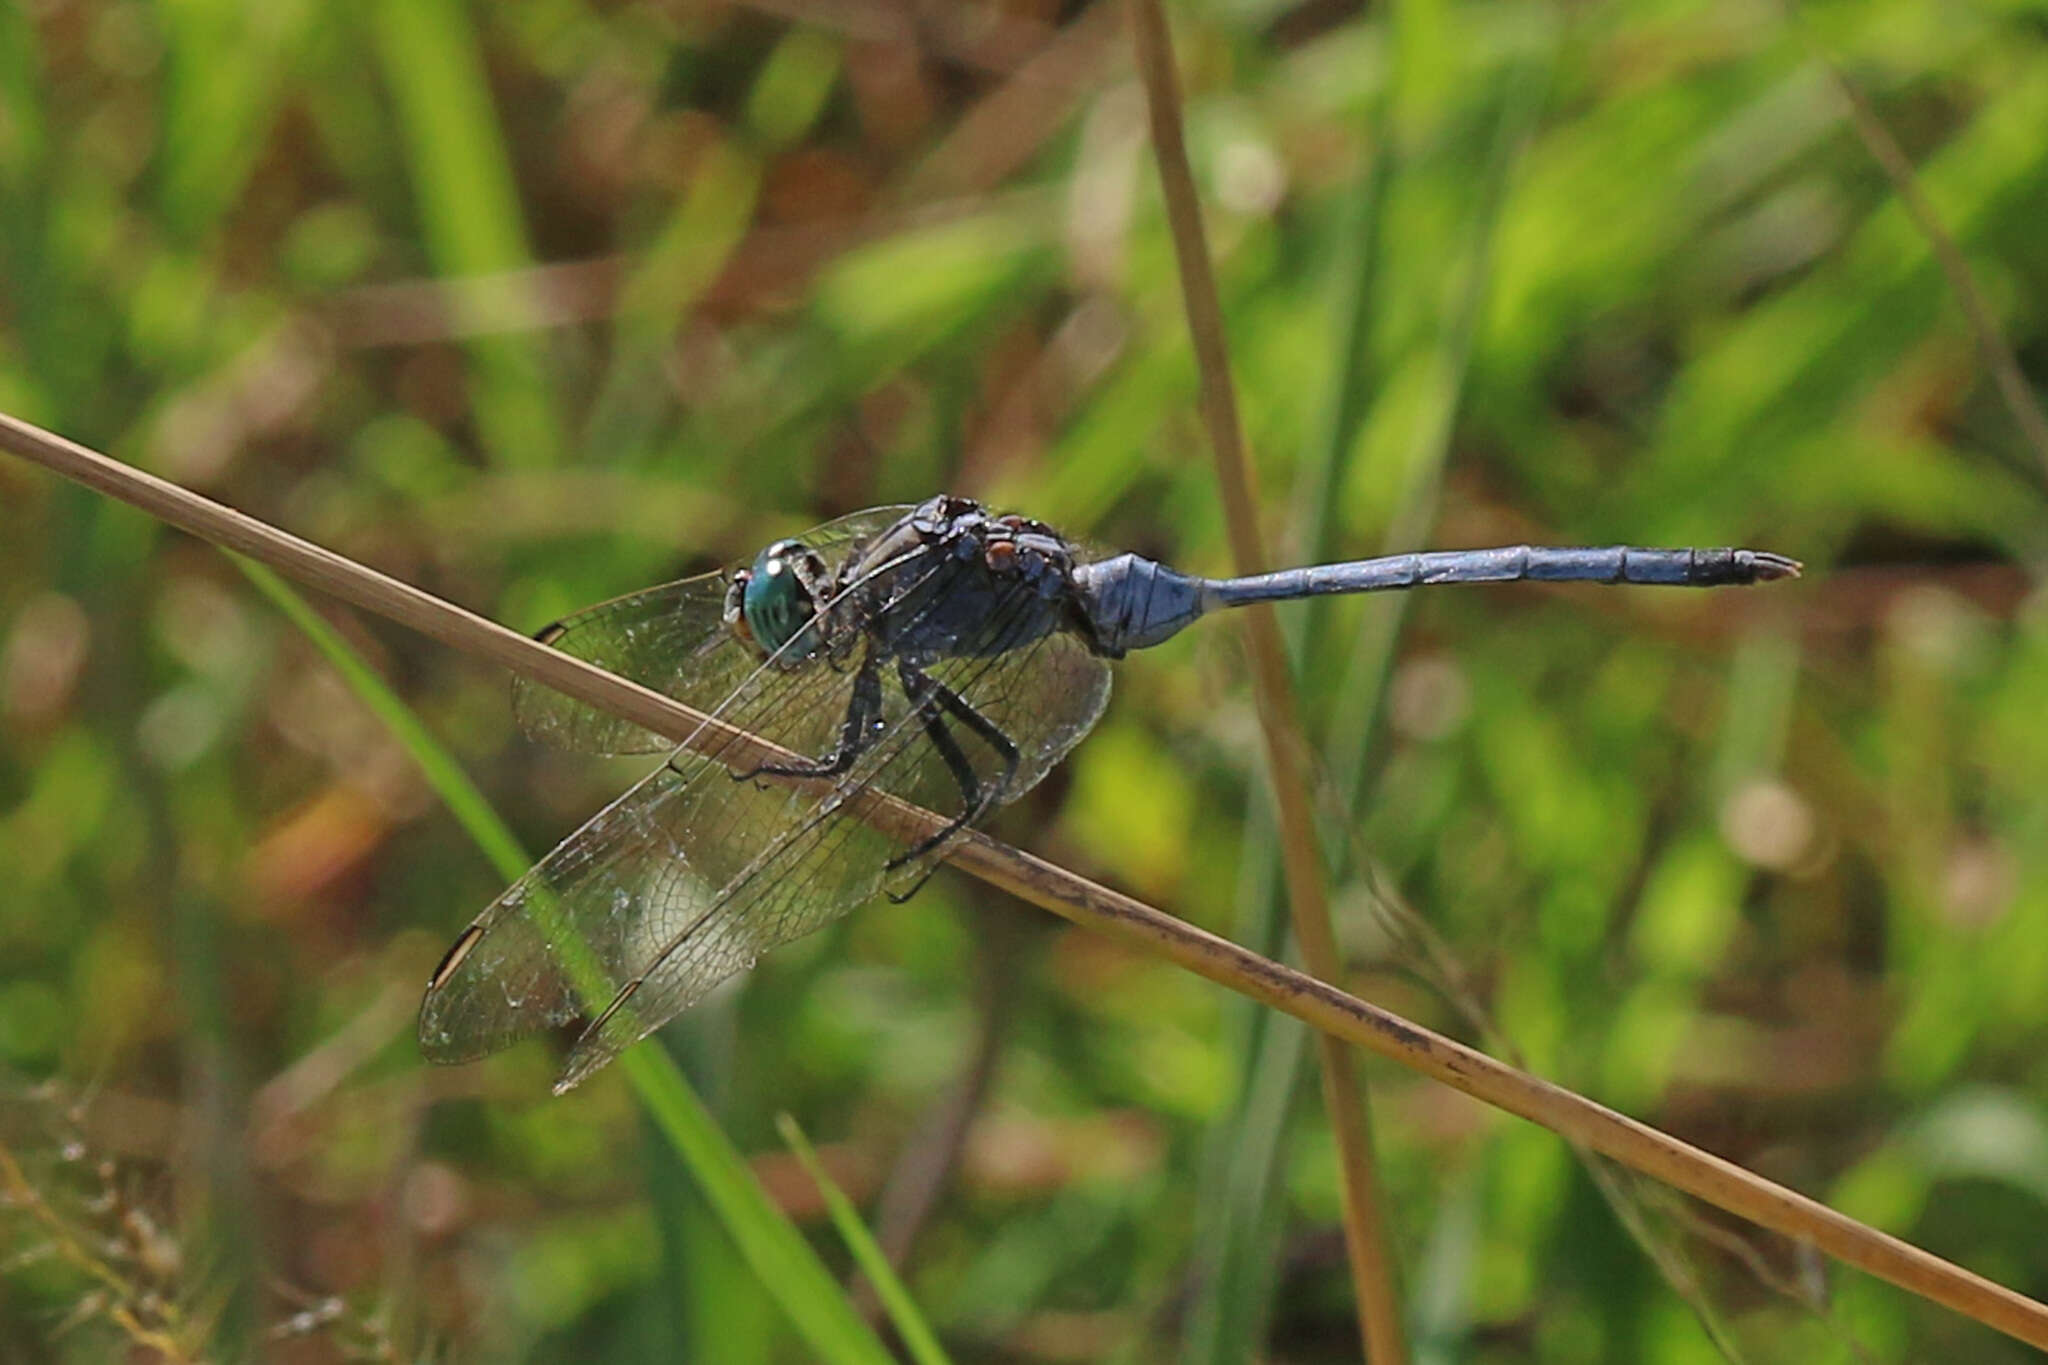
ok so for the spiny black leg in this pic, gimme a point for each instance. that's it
(918, 688)
(964, 712)
(929, 694)
(856, 733)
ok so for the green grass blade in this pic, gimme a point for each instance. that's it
(784, 1261)
(1240, 1250)
(771, 1244)
(469, 208)
(867, 1253)
(227, 66)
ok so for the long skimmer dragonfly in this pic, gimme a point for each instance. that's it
(938, 653)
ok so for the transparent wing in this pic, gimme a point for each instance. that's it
(670, 638)
(598, 911)
(691, 875)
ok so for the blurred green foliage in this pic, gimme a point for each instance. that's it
(537, 303)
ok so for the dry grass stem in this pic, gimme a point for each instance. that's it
(149, 1321)
(1378, 1300)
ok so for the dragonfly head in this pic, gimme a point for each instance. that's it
(772, 602)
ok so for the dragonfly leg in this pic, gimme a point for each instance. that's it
(931, 697)
(856, 734)
(920, 689)
(990, 732)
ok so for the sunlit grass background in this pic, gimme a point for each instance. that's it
(535, 303)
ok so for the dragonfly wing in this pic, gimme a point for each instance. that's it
(670, 638)
(553, 939)
(800, 862)
(835, 537)
(659, 869)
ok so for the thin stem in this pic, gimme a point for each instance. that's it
(1129, 921)
(1992, 347)
(1365, 1235)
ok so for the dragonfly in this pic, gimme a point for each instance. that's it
(938, 653)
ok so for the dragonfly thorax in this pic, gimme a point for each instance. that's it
(951, 580)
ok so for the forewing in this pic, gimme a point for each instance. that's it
(654, 890)
(670, 638)
(836, 537)
(712, 909)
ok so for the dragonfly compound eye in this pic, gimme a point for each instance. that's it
(776, 599)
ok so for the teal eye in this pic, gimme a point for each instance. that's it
(776, 600)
